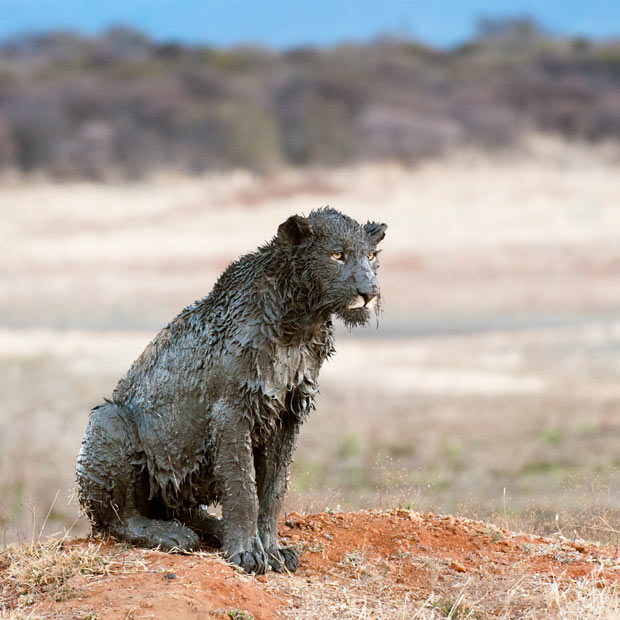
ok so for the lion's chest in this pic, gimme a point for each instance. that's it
(286, 369)
(286, 381)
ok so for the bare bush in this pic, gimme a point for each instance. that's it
(120, 104)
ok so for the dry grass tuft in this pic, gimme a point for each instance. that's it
(46, 569)
(590, 598)
(594, 598)
(17, 614)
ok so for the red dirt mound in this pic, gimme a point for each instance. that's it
(365, 564)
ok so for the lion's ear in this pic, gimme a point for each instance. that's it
(375, 231)
(295, 230)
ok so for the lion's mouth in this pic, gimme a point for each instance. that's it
(361, 302)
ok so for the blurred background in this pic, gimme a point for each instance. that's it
(144, 147)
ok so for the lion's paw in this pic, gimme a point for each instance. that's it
(250, 561)
(283, 559)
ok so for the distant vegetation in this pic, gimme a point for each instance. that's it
(121, 105)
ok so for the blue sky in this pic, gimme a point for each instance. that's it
(286, 23)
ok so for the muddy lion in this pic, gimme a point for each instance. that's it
(210, 412)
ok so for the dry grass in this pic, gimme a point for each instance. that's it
(46, 570)
(589, 599)
(472, 598)
(18, 614)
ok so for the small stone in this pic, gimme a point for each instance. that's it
(580, 545)
(294, 519)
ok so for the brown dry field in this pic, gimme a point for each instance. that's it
(490, 389)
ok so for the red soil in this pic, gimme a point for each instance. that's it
(407, 546)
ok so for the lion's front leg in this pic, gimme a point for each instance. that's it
(272, 461)
(234, 473)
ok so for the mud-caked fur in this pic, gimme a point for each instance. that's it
(210, 412)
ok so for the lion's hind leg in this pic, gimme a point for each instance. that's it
(114, 491)
(154, 533)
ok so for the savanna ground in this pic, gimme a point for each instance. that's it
(490, 390)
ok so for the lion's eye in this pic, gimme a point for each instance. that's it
(372, 256)
(337, 255)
